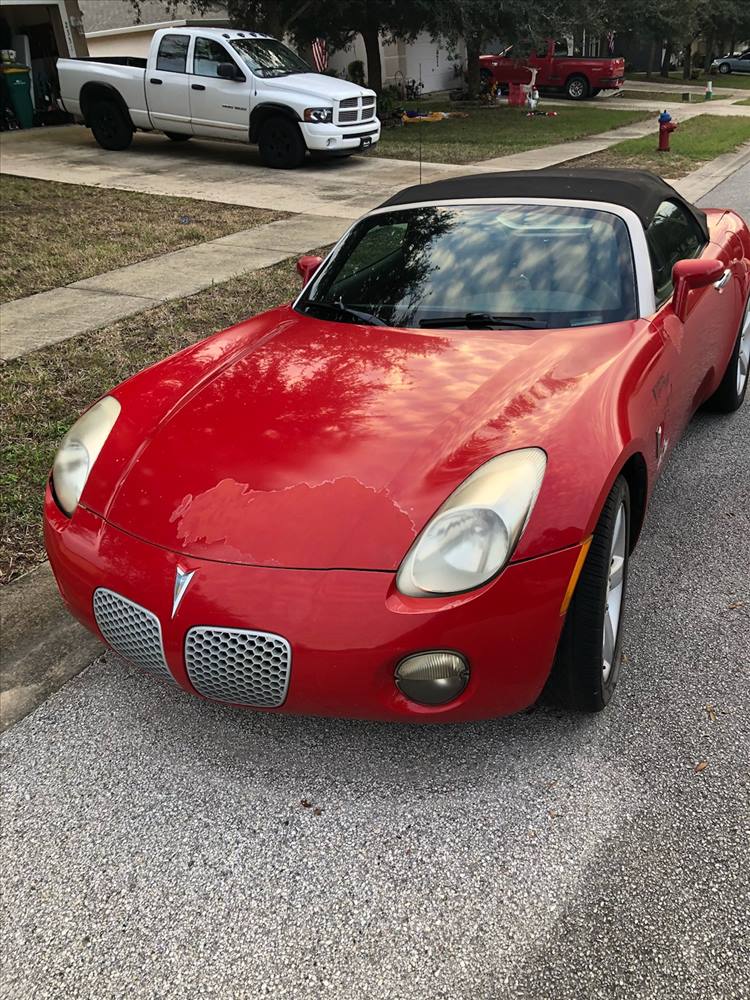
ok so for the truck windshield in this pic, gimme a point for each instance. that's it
(491, 266)
(268, 57)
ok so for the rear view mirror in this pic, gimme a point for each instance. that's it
(307, 266)
(228, 71)
(690, 274)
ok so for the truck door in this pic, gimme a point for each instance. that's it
(219, 107)
(167, 92)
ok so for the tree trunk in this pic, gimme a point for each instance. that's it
(371, 38)
(709, 54)
(473, 52)
(651, 58)
(687, 61)
(666, 60)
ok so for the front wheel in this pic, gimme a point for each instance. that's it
(587, 664)
(577, 88)
(725, 68)
(733, 386)
(110, 126)
(177, 136)
(281, 144)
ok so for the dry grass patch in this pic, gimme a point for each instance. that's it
(54, 234)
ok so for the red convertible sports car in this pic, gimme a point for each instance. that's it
(412, 494)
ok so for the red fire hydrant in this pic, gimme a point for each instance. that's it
(666, 127)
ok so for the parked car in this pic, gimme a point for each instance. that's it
(221, 84)
(736, 63)
(576, 76)
(413, 493)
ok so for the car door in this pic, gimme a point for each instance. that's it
(167, 91)
(698, 341)
(219, 108)
(743, 63)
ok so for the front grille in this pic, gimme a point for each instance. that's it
(131, 631)
(355, 109)
(231, 664)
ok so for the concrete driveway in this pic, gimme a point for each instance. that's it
(158, 846)
(214, 171)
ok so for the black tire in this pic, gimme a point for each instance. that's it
(110, 126)
(732, 389)
(579, 678)
(725, 68)
(281, 144)
(178, 136)
(577, 88)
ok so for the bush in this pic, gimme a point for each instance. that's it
(356, 71)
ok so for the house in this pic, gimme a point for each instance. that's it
(111, 29)
(423, 59)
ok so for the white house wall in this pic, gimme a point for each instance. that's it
(405, 58)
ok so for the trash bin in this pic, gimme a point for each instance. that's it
(18, 82)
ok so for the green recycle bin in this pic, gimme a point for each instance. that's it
(18, 82)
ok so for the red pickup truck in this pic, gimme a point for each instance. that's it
(577, 76)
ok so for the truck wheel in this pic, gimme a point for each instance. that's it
(281, 144)
(109, 126)
(577, 88)
(178, 136)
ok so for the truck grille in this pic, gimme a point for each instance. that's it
(231, 664)
(355, 109)
(131, 631)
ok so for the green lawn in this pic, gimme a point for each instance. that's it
(43, 393)
(745, 101)
(736, 81)
(54, 234)
(498, 131)
(698, 140)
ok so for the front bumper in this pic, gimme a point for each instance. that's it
(347, 629)
(335, 139)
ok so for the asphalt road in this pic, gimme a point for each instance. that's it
(157, 846)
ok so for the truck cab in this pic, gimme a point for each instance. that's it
(221, 83)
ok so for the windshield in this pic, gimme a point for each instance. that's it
(268, 57)
(480, 265)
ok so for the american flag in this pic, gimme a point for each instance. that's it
(320, 54)
(611, 42)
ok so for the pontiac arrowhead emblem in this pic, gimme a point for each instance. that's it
(181, 582)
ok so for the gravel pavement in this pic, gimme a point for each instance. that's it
(158, 846)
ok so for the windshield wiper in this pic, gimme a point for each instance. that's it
(485, 321)
(343, 310)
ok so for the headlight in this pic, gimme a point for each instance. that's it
(80, 449)
(473, 535)
(319, 115)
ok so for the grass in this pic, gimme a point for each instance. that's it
(698, 140)
(498, 131)
(745, 101)
(735, 81)
(54, 234)
(43, 393)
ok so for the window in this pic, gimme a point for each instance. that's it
(172, 55)
(672, 235)
(528, 265)
(268, 57)
(208, 54)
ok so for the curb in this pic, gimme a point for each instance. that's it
(43, 645)
(702, 181)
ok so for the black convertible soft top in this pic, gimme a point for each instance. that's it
(638, 190)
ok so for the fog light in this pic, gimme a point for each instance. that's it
(432, 678)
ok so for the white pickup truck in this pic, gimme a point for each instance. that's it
(219, 83)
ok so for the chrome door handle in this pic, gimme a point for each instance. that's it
(718, 285)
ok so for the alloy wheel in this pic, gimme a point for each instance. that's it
(743, 355)
(615, 588)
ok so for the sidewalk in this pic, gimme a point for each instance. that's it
(49, 317)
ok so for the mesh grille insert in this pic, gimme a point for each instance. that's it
(231, 664)
(131, 631)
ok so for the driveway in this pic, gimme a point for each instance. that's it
(159, 846)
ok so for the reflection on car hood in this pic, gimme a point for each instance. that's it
(291, 441)
(317, 85)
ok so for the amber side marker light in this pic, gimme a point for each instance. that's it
(575, 574)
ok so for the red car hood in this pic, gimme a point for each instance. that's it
(314, 445)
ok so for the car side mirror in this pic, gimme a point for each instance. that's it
(228, 71)
(307, 266)
(688, 275)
